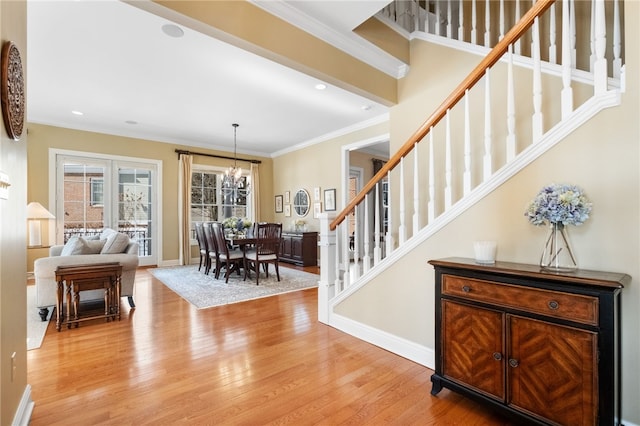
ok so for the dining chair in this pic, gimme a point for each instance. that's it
(233, 260)
(202, 245)
(213, 257)
(266, 250)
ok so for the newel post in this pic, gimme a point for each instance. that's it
(326, 286)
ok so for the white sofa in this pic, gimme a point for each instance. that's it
(110, 246)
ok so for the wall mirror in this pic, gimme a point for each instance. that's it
(301, 202)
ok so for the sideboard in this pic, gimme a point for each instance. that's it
(299, 248)
(540, 346)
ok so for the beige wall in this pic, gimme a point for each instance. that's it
(316, 166)
(602, 156)
(13, 237)
(45, 137)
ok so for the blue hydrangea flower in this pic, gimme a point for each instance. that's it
(559, 203)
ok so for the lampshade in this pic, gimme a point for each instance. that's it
(35, 213)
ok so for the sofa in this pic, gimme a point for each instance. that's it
(109, 246)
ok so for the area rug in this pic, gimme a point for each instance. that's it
(204, 291)
(36, 328)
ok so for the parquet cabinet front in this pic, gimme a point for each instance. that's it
(542, 347)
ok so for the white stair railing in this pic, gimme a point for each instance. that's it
(465, 151)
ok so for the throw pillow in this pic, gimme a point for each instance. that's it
(74, 245)
(106, 232)
(116, 243)
(93, 246)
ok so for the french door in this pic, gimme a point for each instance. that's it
(93, 193)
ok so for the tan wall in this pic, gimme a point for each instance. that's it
(602, 156)
(45, 137)
(13, 237)
(316, 166)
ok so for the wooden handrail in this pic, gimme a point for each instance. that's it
(478, 72)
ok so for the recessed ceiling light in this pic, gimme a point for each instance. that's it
(172, 30)
(320, 86)
(77, 112)
(131, 122)
(366, 107)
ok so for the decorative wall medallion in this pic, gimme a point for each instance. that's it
(12, 90)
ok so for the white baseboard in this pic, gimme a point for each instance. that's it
(25, 408)
(397, 345)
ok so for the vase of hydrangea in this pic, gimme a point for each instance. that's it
(557, 206)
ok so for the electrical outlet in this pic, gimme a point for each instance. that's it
(13, 366)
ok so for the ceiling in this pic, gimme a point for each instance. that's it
(113, 62)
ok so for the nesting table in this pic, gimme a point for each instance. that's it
(72, 279)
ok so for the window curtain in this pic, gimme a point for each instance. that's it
(255, 193)
(184, 199)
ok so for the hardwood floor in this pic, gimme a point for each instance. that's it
(267, 361)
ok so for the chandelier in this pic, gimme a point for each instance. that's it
(233, 183)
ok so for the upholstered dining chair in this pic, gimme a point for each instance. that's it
(233, 260)
(265, 251)
(213, 257)
(202, 245)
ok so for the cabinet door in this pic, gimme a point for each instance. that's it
(296, 248)
(552, 371)
(473, 347)
(285, 249)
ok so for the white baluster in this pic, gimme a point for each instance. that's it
(486, 163)
(511, 109)
(416, 191)
(338, 284)
(461, 20)
(377, 252)
(354, 270)
(617, 61)
(516, 19)
(474, 23)
(366, 258)
(502, 18)
(449, 20)
(600, 65)
(537, 83)
(346, 277)
(388, 238)
(402, 230)
(592, 36)
(438, 19)
(552, 34)
(431, 205)
(572, 26)
(566, 97)
(447, 163)
(487, 24)
(467, 145)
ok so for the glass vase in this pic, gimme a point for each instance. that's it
(558, 255)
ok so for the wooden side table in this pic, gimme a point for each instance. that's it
(87, 277)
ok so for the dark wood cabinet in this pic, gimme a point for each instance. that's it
(299, 248)
(542, 347)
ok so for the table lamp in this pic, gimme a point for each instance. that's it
(35, 214)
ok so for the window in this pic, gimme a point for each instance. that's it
(97, 191)
(210, 201)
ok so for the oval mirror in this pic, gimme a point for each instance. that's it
(301, 202)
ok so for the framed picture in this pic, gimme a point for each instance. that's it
(287, 210)
(316, 193)
(287, 197)
(330, 200)
(317, 209)
(278, 203)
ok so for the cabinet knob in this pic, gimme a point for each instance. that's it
(553, 305)
(497, 356)
(513, 363)
(466, 289)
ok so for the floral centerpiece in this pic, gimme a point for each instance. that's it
(558, 205)
(236, 224)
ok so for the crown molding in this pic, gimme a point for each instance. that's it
(348, 42)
